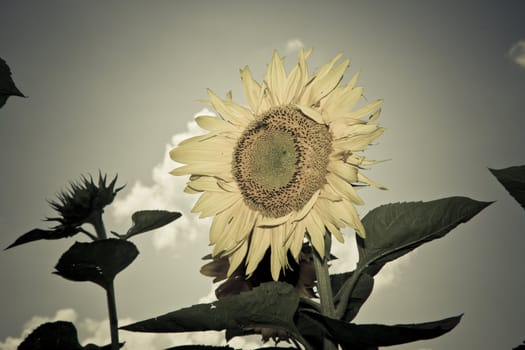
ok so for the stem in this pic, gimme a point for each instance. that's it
(324, 287)
(113, 320)
(110, 289)
(98, 224)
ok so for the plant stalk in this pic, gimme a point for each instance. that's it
(113, 320)
(98, 224)
(324, 287)
(100, 229)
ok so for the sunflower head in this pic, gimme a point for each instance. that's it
(83, 200)
(284, 168)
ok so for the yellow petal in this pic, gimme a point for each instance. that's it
(344, 188)
(327, 192)
(218, 227)
(353, 81)
(190, 190)
(329, 82)
(230, 186)
(358, 142)
(295, 241)
(217, 169)
(366, 180)
(316, 231)
(351, 217)
(237, 257)
(307, 207)
(312, 91)
(212, 203)
(218, 148)
(345, 171)
(252, 90)
(332, 223)
(215, 124)
(294, 84)
(375, 116)
(242, 222)
(231, 111)
(225, 243)
(260, 241)
(276, 78)
(205, 183)
(334, 230)
(270, 221)
(365, 111)
(338, 105)
(196, 139)
(278, 258)
(312, 113)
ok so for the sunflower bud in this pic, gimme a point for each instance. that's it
(84, 201)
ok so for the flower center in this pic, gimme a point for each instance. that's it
(280, 161)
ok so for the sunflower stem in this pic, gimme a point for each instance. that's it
(113, 320)
(100, 229)
(98, 224)
(324, 287)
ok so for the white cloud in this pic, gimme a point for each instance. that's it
(166, 193)
(11, 343)
(517, 53)
(293, 45)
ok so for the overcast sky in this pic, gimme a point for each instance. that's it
(113, 85)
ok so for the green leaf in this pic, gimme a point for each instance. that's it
(272, 304)
(513, 179)
(371, 336)
(98, 261)
(200, 347)
(520, 347)
(393, 230)
(38, 234)
(312, 330)
(360, 292)
(59, 335)
(7, 86)
(147, 220)
(52, 335)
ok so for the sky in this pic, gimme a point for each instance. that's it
(112, 86)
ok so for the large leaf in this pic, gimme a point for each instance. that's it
(371, 336)
(393, 230)
(147, 220)
(360, 292)
(271, 304)
(38, 234)
(7, 86)
(200, 347)
(98, 261)
(59, 335)
(513, 179)
(208, 347)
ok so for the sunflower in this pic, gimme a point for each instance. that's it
(284, 167)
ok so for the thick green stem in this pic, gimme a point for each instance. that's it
(100, 229)
(324, 287)
(113, 320)
(98, 224)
